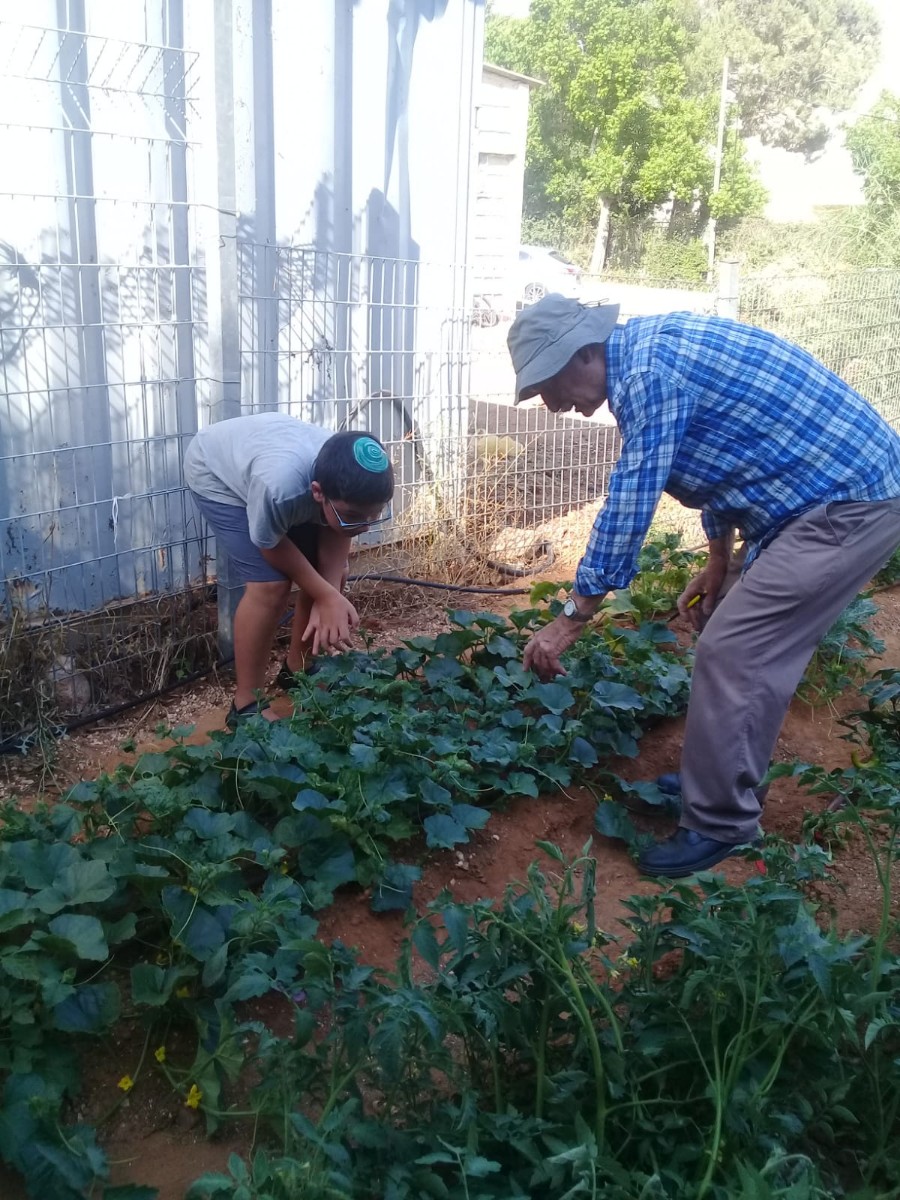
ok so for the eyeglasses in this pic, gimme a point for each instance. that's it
(385, 516)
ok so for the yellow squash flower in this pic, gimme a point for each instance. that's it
(194, 1097)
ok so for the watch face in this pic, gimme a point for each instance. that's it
(570, 610)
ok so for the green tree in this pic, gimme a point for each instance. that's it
(874, 145)
(616, 128)
(871, 232)
(792, 61)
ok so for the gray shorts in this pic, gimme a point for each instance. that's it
(229, 523)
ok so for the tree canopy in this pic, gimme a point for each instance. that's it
(874, 144)
(627, 116)
(793, 61)
(614, 118)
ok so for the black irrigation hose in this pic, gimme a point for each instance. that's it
(125, 705)
(18, 743)
(446, 587)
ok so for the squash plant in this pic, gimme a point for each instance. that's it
(173, 890)
(170, 892)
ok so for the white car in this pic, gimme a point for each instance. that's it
(542, 270)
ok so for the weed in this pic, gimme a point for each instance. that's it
(733, 1044)
(889, 573)
(840, 659)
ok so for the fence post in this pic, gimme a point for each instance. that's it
(222, 272)
(729, 290)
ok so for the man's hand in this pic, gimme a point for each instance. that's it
(331, 623)
(706, 586)
(543, 651)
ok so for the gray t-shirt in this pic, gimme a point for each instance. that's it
(265, 462)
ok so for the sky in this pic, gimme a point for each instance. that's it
(794, 185)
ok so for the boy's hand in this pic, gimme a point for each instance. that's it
(331, 623)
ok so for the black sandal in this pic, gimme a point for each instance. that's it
(237, 716)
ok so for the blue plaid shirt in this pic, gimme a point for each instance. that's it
(734, 421)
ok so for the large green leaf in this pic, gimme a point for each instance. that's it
(309, 798)
(362, 756)
(555, 697)
(337, 868)
(92, 1008)
(200, 930)
(209, 825)
(441, 830)
(77, 935)
(15, 909)
(582, 752)
(470, 816)
(153, 986)
(610, 694)
(441, 670)
(613, 821)
(79, 883)
(432, 793)
(39, 864)
(394, 889)
(521, 784)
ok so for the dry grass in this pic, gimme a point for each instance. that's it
(436, 545)
(56, 668)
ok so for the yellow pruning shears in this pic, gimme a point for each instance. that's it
(696, 600)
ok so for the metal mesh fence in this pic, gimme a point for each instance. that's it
(358, 342)
(851, 322)
(102, 307)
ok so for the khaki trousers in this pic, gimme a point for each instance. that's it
(755, 647)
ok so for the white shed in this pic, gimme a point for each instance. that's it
(501, 127)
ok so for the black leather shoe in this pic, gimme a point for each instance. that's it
(670, 784)
(685, 853)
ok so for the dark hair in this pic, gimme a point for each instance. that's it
(342, 476)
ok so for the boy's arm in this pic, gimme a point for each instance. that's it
(286, 558)
(333, 550)
(333, 618)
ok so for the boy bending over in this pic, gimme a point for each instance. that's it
(284, 498)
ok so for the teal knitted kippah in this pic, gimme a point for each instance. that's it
(369, 455)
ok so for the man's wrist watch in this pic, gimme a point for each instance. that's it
(570, 610)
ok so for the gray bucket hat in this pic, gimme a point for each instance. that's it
(546, 335)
